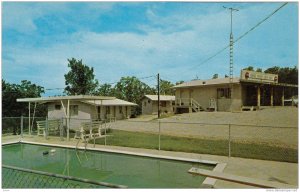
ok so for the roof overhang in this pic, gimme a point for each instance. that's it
(268, 83)
(64, 98)
(205, 85)
(161, 97)
(110, 102)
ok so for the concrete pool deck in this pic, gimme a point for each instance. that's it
(280, 172)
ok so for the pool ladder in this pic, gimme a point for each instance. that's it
(85, 143)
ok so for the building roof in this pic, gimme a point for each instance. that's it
(59, 98)
(110, 102)
(161, 97)
(197, 83)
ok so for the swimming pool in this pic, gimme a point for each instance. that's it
(129, 170)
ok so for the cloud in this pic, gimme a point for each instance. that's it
(22, 16)
(173, 43)
(113, 55)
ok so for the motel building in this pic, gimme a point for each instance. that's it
(83, 107)
(74, 110)
(251, 91)
(150, 104)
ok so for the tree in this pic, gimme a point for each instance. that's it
(12, 92)
(250, 68)
(215, 76)
(80, 80)
(259, 70)
(105, 90)
(166, 87)
(285, 75)
(179, 82)
(12, 108)
(273, 70)
(133, 90)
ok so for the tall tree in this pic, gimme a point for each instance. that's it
(215, 76)
(105, 90)
(80, 80)
(285, 75)
(166, 87)
(10, 94)
(259, 70)
(249, 68)
(132, 89)
(179, 82)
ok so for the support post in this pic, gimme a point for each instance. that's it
(272, 96)
(61, 129)
(68, 121)
(22, 120)
(46, 129)
(105, 133)
(158, 95)
(258, 96)
(229, 140)
(29, 118)
(282, 97)
(159, 135)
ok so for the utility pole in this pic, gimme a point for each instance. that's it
(231, 56)
(158, 95)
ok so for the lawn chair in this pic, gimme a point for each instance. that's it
(98, 134)
(83, 134)
(52, 126)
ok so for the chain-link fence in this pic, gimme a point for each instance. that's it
(264, 142)
(20, 125)
(15, 177)
(249, 141)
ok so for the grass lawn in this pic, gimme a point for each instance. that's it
(203, 146)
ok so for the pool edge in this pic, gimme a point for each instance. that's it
(210, 182)
(207, 183)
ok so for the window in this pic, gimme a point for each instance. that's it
(57, 107)
(224, 93)
(73, 110)
(107, 109)
(163, 103)
(120, 109)
(149, 101)
(99, 112)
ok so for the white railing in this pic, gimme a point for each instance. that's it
(188, 102)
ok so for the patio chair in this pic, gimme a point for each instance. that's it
(83, 134)
(53, 126)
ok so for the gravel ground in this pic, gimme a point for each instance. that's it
(276, 126)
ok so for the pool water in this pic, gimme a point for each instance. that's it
(121, 169)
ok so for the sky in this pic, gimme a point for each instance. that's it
(142, 39)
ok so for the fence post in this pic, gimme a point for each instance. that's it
(46, 129)
(105, 132)
(229, 140)
(61, 129)
(22, 126)
(159, 135)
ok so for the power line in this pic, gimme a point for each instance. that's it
(240, 37)
(246, 33)
(50, 89)
(141, 78)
